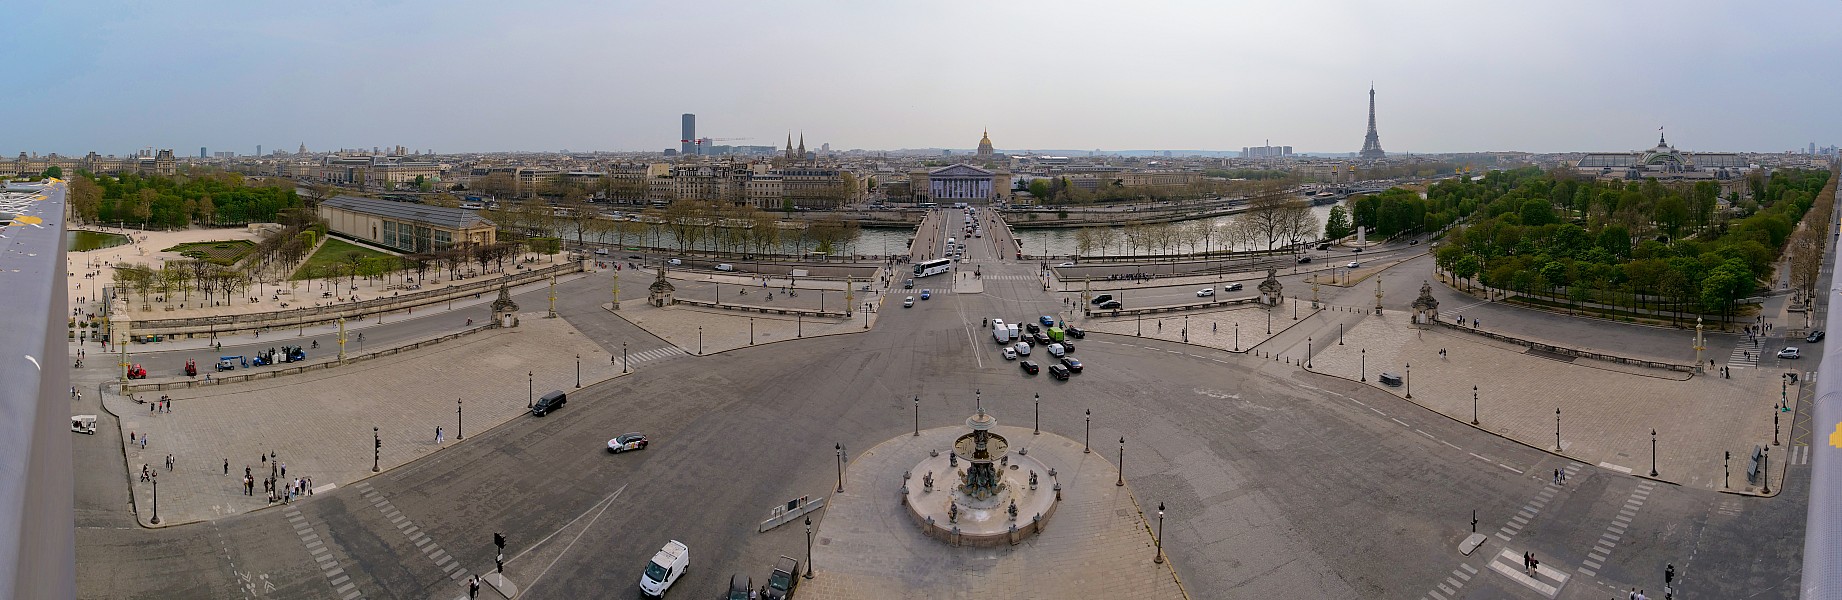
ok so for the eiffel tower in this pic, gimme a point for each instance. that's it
(1371, 143)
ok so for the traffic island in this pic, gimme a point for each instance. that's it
(1099, 544)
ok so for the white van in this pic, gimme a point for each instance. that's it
(951, 241)
(725, 267)
(665, 568)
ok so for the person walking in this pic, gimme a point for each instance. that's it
(438, 435)
(226, 467)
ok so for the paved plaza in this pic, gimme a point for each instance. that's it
(1099, 544)
(318, 423)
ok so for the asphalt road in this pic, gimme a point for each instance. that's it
(1378, 492)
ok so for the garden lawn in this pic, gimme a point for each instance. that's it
(333, 253)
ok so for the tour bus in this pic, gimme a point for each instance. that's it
(932, 267)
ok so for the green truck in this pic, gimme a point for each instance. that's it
(1055, 334)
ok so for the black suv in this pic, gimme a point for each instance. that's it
(549, 403)
(1029, 367)
(1058, 372)
(1814, 337)
(1075, 332)
(1110, 304)
(1073, 364)
(1102, 299)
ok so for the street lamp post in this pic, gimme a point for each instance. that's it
(1237, 337)
(1410, 381)
(751, 331)
(1085, 433)
(1653, 452)
(530, 389)
(578, 370)
(1159, 558)
(457, 419)
(1039, 415)
(377, 447)
(1339, 334)
(840, 448)
(1557, 430)
(623, 356)
(700, 340)
(917, 416)
(1307, 352)
(1365, 366)
(156, 497)
(1122, 461)
(1269, 321)
(1768, 470)
(1474, 405)
(809, 547)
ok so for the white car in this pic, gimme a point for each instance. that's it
(1353, 264)
(908, 302)
(1066, 264)
(1790, 352)
(1022, 348)
(1010, 353)
(1205, 292)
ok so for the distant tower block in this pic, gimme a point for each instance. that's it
(1371, 143)
(687, 140)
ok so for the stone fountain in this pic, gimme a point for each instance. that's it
(998, 498)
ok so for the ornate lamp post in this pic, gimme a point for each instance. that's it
(1410, 381)
(809, 547)
(1653, 452)
(1159, 558)
(917, 416)
(1085, 433)
(1122, 461)
(1039, 415)
(377, 447)
(156, 497)
(1474, 405)
(457, 419)
(840, 448)
(530, 389)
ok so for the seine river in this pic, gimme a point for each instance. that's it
(876, 241)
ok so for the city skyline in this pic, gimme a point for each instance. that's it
(1448, 77)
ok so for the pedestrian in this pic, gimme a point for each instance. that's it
(284, 469)
(1534, 565)
(1557, 477)
(438, 438)
(143, 441)
(1526, 561)
(473, 586)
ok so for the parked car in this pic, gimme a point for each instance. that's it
(1073, 364)
(1205, 292)
(1790, 352)
(1075, 332)
(908, 302)
(1058, 372)
(1390, 379)
(1110, 304)
(549, 402)
(1815, 336)
(627, 441)
(1010, 353)
(1102, 299)
(783, 579)
(1029, 367)
(1232, 287)
(741, 587)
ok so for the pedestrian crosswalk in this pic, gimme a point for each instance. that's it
(430, 548)
(1615, 531)
(1544, 579)
(1800, 455)
(1011, 278)
(1746, 354)
(329, 567)
(655, 354)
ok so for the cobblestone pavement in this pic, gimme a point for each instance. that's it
(318, 424)
(1099, 543)
(1607, 410)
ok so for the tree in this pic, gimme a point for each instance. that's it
(497, 184)
(1337, 225)
(1039, 188)
(54, 172)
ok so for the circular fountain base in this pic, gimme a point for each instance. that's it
(981, 522)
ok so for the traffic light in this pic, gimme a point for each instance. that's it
(498, 539)
(377, 442)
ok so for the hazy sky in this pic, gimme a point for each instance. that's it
(611, 75)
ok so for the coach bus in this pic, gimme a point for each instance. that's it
(932, 267)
